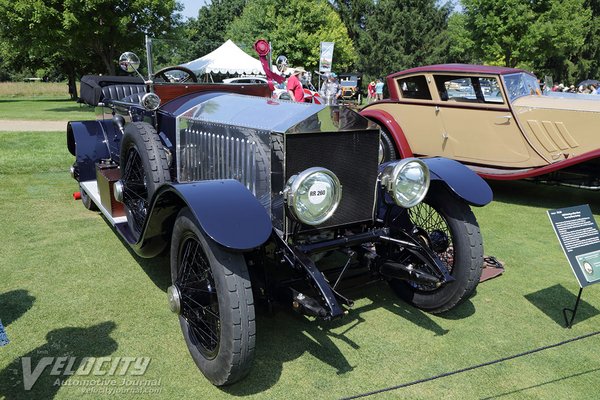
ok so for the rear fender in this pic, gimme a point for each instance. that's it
(224, 209)
(463, 182)
(90, 142)
(385, 120)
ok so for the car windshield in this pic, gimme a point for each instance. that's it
(348, 83)
(521, 84)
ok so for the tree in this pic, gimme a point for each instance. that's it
(296, 29)
(79, 35)
(353, 14)
(403, 34)
(546, 36)
(209, 30)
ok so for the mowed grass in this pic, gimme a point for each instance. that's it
(40, 101)
(70, 287)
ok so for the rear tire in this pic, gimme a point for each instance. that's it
(217, 307)
(453, 234)
(387, 145)
(144, 168)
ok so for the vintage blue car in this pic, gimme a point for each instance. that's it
(268, 200)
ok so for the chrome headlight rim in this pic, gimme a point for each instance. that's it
(292, 199)
(389, 180)
(150, 101)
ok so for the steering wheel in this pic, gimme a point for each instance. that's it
(190, 74)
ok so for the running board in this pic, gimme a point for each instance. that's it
(91, 188)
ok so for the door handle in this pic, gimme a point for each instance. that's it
(507, 117)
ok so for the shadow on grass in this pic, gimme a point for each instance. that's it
(553, 299)
(521, 390)
(13, 304)
(545, 196)
(94, 341)
(158, 268)
(287, 336)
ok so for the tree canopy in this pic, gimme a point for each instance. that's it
(295, 28)
(546, 36)
(80, 36)
(403, 34)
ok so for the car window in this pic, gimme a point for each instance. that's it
(472, 89)
(521, 84)
(414, 87)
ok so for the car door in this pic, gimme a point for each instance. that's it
(415, 113)
(479, 125)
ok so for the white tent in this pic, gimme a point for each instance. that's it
(227, 59)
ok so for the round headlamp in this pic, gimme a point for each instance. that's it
(313, 195)
(150, 101)
(407, 181)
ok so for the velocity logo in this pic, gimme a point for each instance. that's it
(86, 366)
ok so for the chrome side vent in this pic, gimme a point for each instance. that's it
(203, 155)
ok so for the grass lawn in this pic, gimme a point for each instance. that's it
(47, 108)
(70, 287)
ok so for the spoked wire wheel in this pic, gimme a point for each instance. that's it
(144, 168)
(212, 295)
(446, 225)
(135, 190)
(199, 302)
(432, 230)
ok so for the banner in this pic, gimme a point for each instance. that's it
(326, 58)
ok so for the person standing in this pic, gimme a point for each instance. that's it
(294, 86)
(379, 89)
(331, 90)
(371, 92)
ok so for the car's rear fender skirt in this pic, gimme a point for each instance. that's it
(463, 182)
(224, 209)
(90, 142)
(385, 120)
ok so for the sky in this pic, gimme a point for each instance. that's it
(191, 7)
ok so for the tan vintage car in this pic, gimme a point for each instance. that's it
(495, 120)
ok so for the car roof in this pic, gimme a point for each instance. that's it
(465, 68)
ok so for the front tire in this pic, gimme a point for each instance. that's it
(447, 225)
(216, 307)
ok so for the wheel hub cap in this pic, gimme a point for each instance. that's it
(174, 297)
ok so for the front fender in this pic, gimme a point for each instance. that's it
(465, 183)
(224, 209)
(90, 142)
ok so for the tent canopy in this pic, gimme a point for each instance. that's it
(227, 59)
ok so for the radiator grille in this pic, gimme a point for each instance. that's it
(352, 156)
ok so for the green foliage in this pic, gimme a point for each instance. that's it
(209, 30)
(79, 36)
(295, 28)
(546, 36)
(403, 34)
(462, 46)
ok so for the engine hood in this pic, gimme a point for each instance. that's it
(265, 114)
(587, 103)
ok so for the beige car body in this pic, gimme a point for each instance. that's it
(496, 130)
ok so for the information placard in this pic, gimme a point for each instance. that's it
(579, 238)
